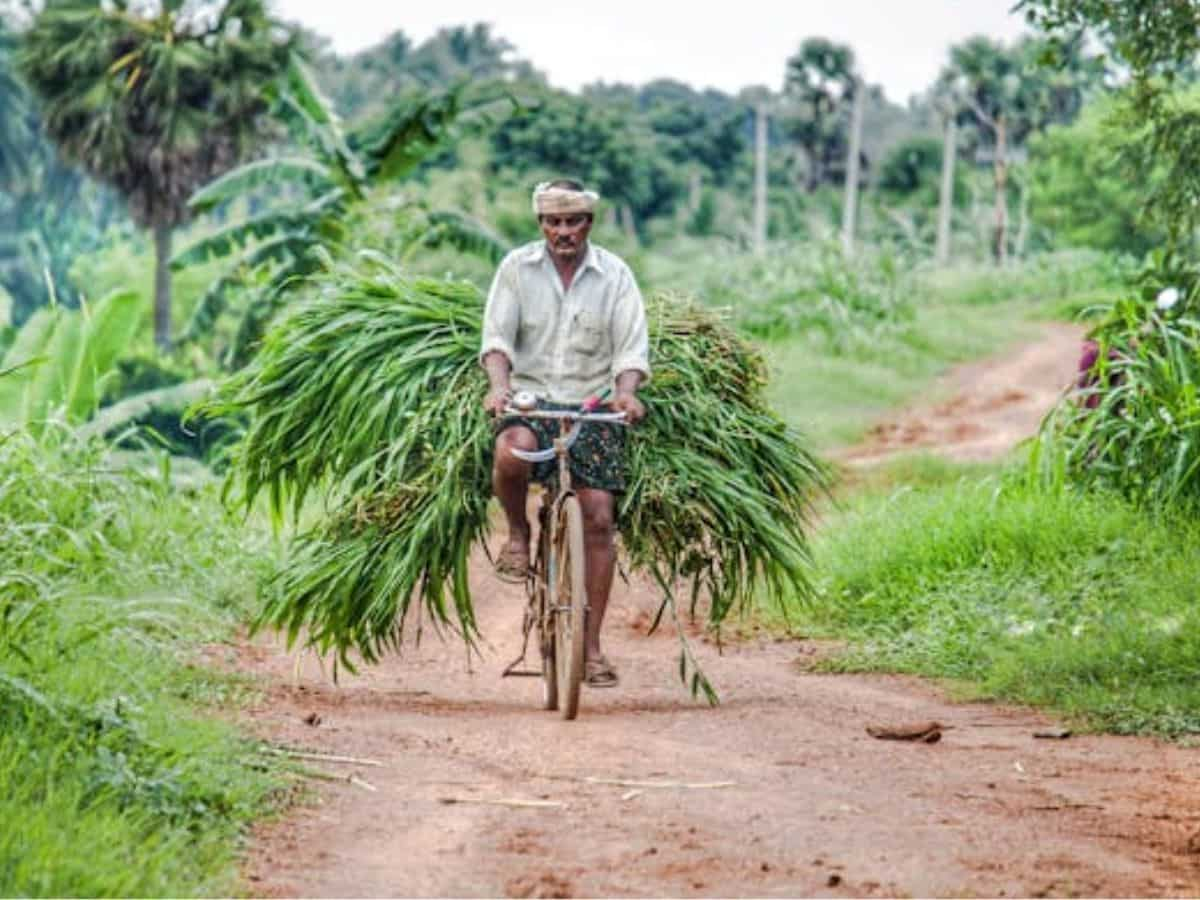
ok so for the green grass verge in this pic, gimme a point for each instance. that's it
(833, 389)
(834, 397)
(119, 774)
(1080, 602)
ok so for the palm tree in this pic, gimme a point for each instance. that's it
(988, 81)
(819, 83)
(1002, 92)
(15, 133)
(154, 99)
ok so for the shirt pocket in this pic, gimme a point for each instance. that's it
(589, 333)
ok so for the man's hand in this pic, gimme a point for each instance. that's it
(631, 406)
(497, 401)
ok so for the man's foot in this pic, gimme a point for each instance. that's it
(512, 565)
(599, 672)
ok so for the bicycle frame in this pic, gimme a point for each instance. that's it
(542, 573)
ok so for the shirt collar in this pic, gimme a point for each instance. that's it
(591, 259)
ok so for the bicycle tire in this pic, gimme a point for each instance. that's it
(545, 623)
(569, 599)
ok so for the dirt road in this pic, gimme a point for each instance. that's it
(989, 406)
(779, 791)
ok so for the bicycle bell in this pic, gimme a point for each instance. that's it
(524, 401)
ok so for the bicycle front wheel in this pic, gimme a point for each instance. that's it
(570, 606)
(544, 603)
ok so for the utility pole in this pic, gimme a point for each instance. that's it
(946, 198)
(851, 204)
(760, 180)
(1000, 231)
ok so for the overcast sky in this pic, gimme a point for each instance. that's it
(726, 45)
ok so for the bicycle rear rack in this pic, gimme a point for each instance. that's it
(511, 670)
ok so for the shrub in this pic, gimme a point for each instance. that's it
(1139, 434)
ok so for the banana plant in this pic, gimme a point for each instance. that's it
(323, 186)
(55, 369)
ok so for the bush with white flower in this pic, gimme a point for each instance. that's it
(1135, 426)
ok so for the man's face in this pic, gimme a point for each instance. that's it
(565, 234)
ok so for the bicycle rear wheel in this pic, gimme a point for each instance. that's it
(569, 603)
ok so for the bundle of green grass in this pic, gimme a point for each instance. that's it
(369, 395)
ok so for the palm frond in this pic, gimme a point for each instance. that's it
(279, 250)
(260, 173)
(264, 304)
(319, 122)
(237, 235)
(463, 233)
(126, 410)
(107, 330)
(24, 357)
(408, 133)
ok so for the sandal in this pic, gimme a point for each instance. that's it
(599, 672)
(512, 565)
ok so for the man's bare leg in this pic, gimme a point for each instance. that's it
(510, 484)
(600, 558)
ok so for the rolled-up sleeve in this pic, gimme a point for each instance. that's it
(630, 338)
(501, 316)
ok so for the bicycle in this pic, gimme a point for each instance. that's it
(557, 606)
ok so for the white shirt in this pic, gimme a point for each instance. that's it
(566, 344)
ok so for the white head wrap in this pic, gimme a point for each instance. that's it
(559, 201)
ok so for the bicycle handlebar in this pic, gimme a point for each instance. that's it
(572, 415)
(577, 416)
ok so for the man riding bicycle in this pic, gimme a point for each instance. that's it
(565, 321)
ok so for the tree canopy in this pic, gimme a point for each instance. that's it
(154, 103)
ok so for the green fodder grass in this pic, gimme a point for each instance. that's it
(368, 396)
(112, 761)
(1078, 601)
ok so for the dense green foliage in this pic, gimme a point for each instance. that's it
(363, 85)
(49, 212)
(370, 393)
(1081, 194)
(1075, 600)
(799, 290)
(595, 143)
(1138, 435)
(1158, 43)
(154, 105)
(913, 166)
(109, 575)
(59, 361)
(279, 248)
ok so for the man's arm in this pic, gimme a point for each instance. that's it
(631, 350)
(625, 400)
(499, 333)
(499, 370)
